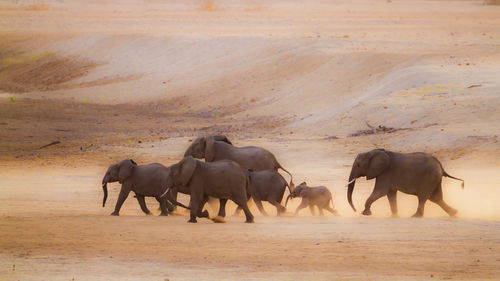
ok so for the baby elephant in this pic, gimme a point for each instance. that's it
(318, 196)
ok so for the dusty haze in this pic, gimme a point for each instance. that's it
(124, 79)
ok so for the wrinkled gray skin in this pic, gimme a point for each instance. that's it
(222, 179)
(145, 180)
(218, 147)
(416, 173)
(266, 186)
(318, 196)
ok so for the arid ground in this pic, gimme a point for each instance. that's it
(107, 80)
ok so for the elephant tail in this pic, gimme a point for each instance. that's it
(291, 186)
(449, 176)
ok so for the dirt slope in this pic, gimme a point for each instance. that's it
(117, 79)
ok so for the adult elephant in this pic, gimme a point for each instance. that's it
(416, 173)
(222, 179)
(218, 147)
(143, 180)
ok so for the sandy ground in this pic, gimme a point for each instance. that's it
(121, 79)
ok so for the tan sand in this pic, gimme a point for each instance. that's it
(117, 79)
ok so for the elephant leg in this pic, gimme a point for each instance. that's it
(321, 211)
(391, 196)
(163, 205)
(222, 207)
(311, 208)
(203, 214)
(260, 207)
(195, 203)
(280, 209)
(121, 198)
(302, 205)
(437, 198)
(331, 210)
(420, 209)
(242, 203)
(142, 203)
(238, 209)
(376, 194)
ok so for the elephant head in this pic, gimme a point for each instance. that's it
(370, 165)
(117, 173)
(181, 172)
(298, 191)
(203, 146)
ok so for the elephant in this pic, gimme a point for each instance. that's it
(312, 196)
(143, 180)
(218, 147)
(415, 173)
(269, 186)
(223, 179)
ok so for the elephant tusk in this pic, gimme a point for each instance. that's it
(166, 190)
(353, 180)
(103, 184)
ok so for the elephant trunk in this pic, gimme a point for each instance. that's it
(350, 188)
(288, 197)
(105, 189)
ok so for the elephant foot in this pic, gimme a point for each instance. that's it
(453, 213)
(218, 219)
(192, 221)
(249, 221)
(164, 214)
(203, 214)
(394, 216)
(115, 214)
(417, 215)
(367, 212)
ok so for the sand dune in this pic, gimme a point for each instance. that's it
(116, 79)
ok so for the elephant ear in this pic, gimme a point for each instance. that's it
(303, 192)
(196, 148)
(222, 138)
(187, 167)
(210, 149)
(125, 169)
(379, 162)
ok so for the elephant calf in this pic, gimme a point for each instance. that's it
(318, 196)
(144, 180)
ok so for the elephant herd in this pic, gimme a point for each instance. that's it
(241, 173)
